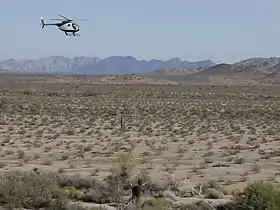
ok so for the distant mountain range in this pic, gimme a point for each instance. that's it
(94, 65)
(261, 64)
(253, 68)
(253, 71)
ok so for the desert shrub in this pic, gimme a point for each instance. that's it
(117, 181)
(30, 190)
(155, 204)
(89, 189)
(76, 181)
(124, 164)
(258, 196)
(213, 193)
(72, 193)
(51, 190)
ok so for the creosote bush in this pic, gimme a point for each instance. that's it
(124, 164)
(33, 190)
(30, 190)
(258, 196)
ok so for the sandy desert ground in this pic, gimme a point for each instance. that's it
(221, 134)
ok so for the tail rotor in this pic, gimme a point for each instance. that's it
(42, 22)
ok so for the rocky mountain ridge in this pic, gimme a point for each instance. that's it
(95, 65)
(253, 71)
(271, 65)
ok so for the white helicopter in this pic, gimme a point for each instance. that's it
(66, 25)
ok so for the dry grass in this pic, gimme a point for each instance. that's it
(228, 135)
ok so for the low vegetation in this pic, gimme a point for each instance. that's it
(34, 190)
(259, 195)
(68, 143)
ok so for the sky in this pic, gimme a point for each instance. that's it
(220, 30)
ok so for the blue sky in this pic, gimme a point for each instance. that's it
(220, 30)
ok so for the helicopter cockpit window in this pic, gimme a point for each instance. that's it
(73, 25)
(68, 24)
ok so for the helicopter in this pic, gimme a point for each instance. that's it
(66, 25)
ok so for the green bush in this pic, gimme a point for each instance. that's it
(33, 190)
(155, 204)
(30, 190)
(72, 193)
(258, 196)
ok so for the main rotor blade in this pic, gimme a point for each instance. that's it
(57, 19)
(80, 19)
(63, 17)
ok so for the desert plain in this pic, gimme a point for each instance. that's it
(191, 135)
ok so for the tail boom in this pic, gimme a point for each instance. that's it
(43, 24)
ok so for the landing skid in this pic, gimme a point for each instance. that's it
(71, 34)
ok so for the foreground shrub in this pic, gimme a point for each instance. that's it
(124, 164)
(30, 190)
(51, 190)
(150, 203)
(76, 181)
(258, 196)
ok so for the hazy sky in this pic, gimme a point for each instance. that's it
(220, 30)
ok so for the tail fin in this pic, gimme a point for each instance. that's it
(42, 22)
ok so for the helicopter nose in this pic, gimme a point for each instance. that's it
(75, 26)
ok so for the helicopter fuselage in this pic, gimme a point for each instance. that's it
(68, 27)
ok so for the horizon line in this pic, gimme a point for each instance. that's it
(164, 60)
